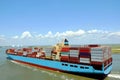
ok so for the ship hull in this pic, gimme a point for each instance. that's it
(60, 66)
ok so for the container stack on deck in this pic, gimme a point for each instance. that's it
(99, 55)
(85, 55)
(65, 52)
(74, 55)
(92, 55)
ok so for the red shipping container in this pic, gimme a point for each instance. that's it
(24, 49)
(20, 54)
(29, 55)
(74, 59)
(11, 51)
(34, 53)
(93, 45)
(85, 49)
(96, 63)
(74, 48)
(64, 58)
(65, 49)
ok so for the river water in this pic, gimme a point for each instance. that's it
(10, 70)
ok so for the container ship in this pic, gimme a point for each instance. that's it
(88, 59)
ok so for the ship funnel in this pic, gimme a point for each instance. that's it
(66, 43)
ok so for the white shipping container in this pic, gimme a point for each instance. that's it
(105, 58)
(97, 55)
(96, 52)
(72, 55)
(64, 55)
(97, 49)
(74, 52)
(85, 59)
(96, 59)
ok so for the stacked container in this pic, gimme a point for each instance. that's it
(65, 52)
(20, 52)
(97, 55)
(74, 55)
(85, 55)
(11, 51)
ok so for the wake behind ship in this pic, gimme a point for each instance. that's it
(90, 59)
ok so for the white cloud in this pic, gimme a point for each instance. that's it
(49, 35)
(92, 31)
(75, 37)
(15, 37)
(26, 34)
(114, 34)
(2, 37)
(63, 34)
(73, 33)
(96, 31)
(39, 36)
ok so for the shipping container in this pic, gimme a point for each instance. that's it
(97, 59)
(84, 60)
(74, 48)
(97, 55)
(64, 53)
(64, 58)
(93, 45)
(85, 54)
(33, 55)
(85, 49)
(74, 59)
(96, 63)
(65, 49)
(96, 52)
(74, 55)
(74, 52)
(97, 49)
(20, 53)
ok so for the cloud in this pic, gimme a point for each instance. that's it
(115, 34)
(75, 37)
(96, 31)
(26, 34)
(2, 37)
(15, 37)
(93, 31)
(63, 34)
(49, 35)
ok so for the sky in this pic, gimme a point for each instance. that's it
(45, 22)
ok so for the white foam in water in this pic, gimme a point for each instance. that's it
(49, 73)
(24, 65)
(114, 76)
